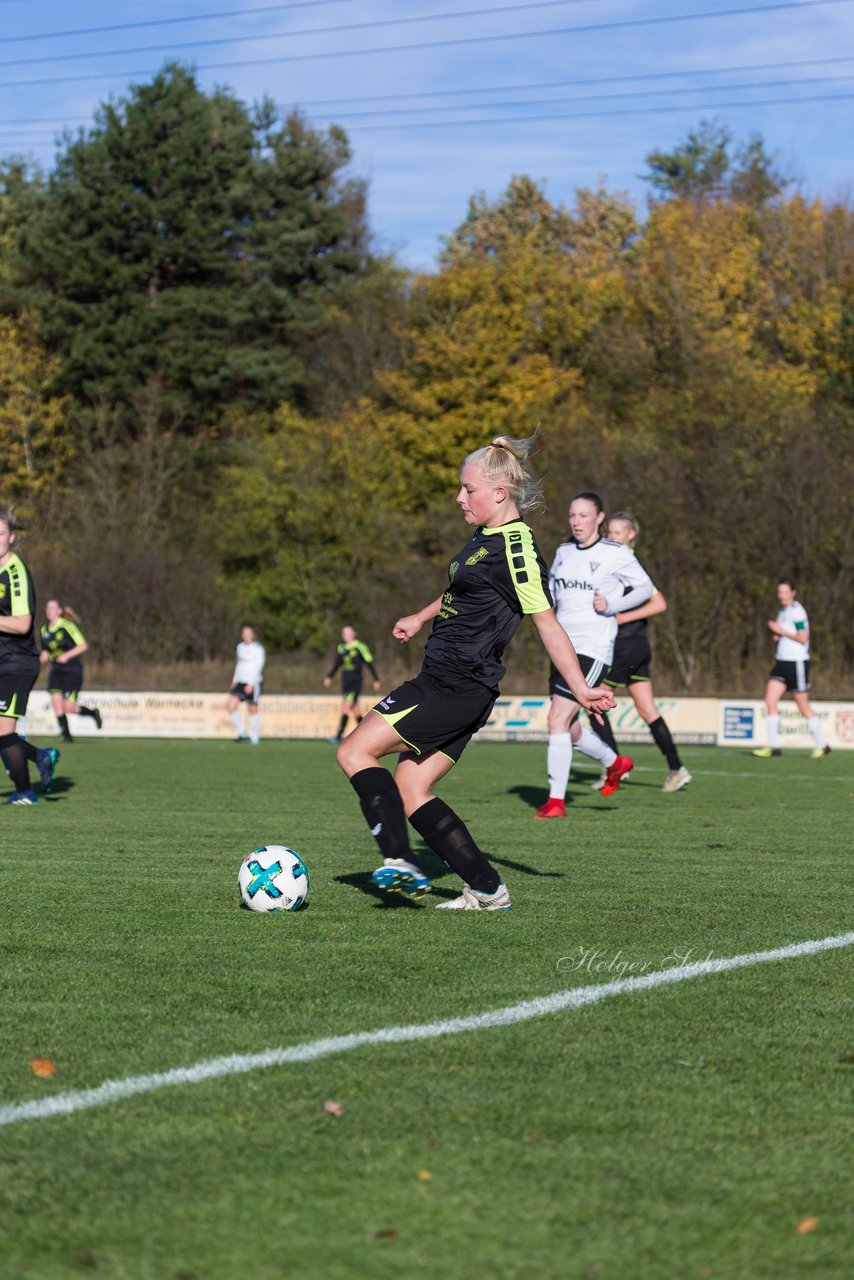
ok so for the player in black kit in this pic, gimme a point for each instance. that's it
(494, 581)
(19, 667)
(351, 657)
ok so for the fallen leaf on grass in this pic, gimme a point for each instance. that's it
(333, 1108)
(530, 1136)
(385, 1235)
(425, 1175)
(847, 1059)
(43, 1067)
(806, 1225)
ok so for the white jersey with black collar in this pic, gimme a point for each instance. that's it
(249, 667)
(793, 618)
(577, 573)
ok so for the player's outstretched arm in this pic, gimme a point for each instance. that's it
(559, 647)
(657, 604)
(405, 628)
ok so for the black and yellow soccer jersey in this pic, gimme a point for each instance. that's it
(17, 598)
(59, 638)
(497, 578)
(352, 660)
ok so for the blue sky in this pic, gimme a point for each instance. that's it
(422, 165)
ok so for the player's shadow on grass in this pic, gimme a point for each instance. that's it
(523, 867)
(61, 785)
(361, 880)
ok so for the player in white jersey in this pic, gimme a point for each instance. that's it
(630, 665)
(791, 671)
(246, 684)
(582, 568)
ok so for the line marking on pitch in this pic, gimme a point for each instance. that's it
(63, 1104)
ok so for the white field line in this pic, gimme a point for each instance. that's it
(238, 1064)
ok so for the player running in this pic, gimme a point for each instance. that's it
(351, 656)
(496, 579)
(587, 567)
(246, 685)
(19, 669)
(791, 671)
(630, 663)
(63, 645)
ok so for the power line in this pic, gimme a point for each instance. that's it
(287, 35)
(524, 119)
(238, 13)
(644, 76)
(585, 28)
(163, 22)
(600, 97)
(590, 115)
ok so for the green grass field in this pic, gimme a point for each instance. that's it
(684, 1131)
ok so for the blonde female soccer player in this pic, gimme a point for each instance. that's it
(494, 581)
(63, 645)
(630, 665)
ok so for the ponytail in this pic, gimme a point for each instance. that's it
(503, 461)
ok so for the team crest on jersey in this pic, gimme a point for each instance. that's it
(478, 555)
(452, 569)
(594, 565)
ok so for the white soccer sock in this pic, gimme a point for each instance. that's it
(559, 759)
(255, 728)
(237, 721)
(592, 745)
(814, 726)
(772, 728)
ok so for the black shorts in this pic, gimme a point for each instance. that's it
(632, 657)
(15, 690)
(238, 691)
(594, 671)
(351, 689)
(794, 675)
(429, 716)
(68, 682)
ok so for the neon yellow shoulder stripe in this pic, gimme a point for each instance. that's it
(524, 568)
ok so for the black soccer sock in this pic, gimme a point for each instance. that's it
(342, 726)
(89, 711)
(63, 727)
(604, 731)
(32, 752)
(448, 835)
(357, 717)
(664, 742)
(16, 755)
(383, 810)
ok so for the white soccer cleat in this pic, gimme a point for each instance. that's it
(475, 900)
(677, 779)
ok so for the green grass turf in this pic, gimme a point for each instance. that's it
(679, 1132)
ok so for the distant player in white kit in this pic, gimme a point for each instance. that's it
(791, 671)
(246, 685)
(586, 566)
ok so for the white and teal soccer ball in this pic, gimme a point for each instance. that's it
(273, 878)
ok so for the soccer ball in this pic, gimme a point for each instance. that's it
(273, 878)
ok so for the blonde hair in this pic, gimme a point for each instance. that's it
(627, 518)
(502, 461)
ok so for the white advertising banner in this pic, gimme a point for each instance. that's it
(691, 720)
(742, 723)
(728, 722)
